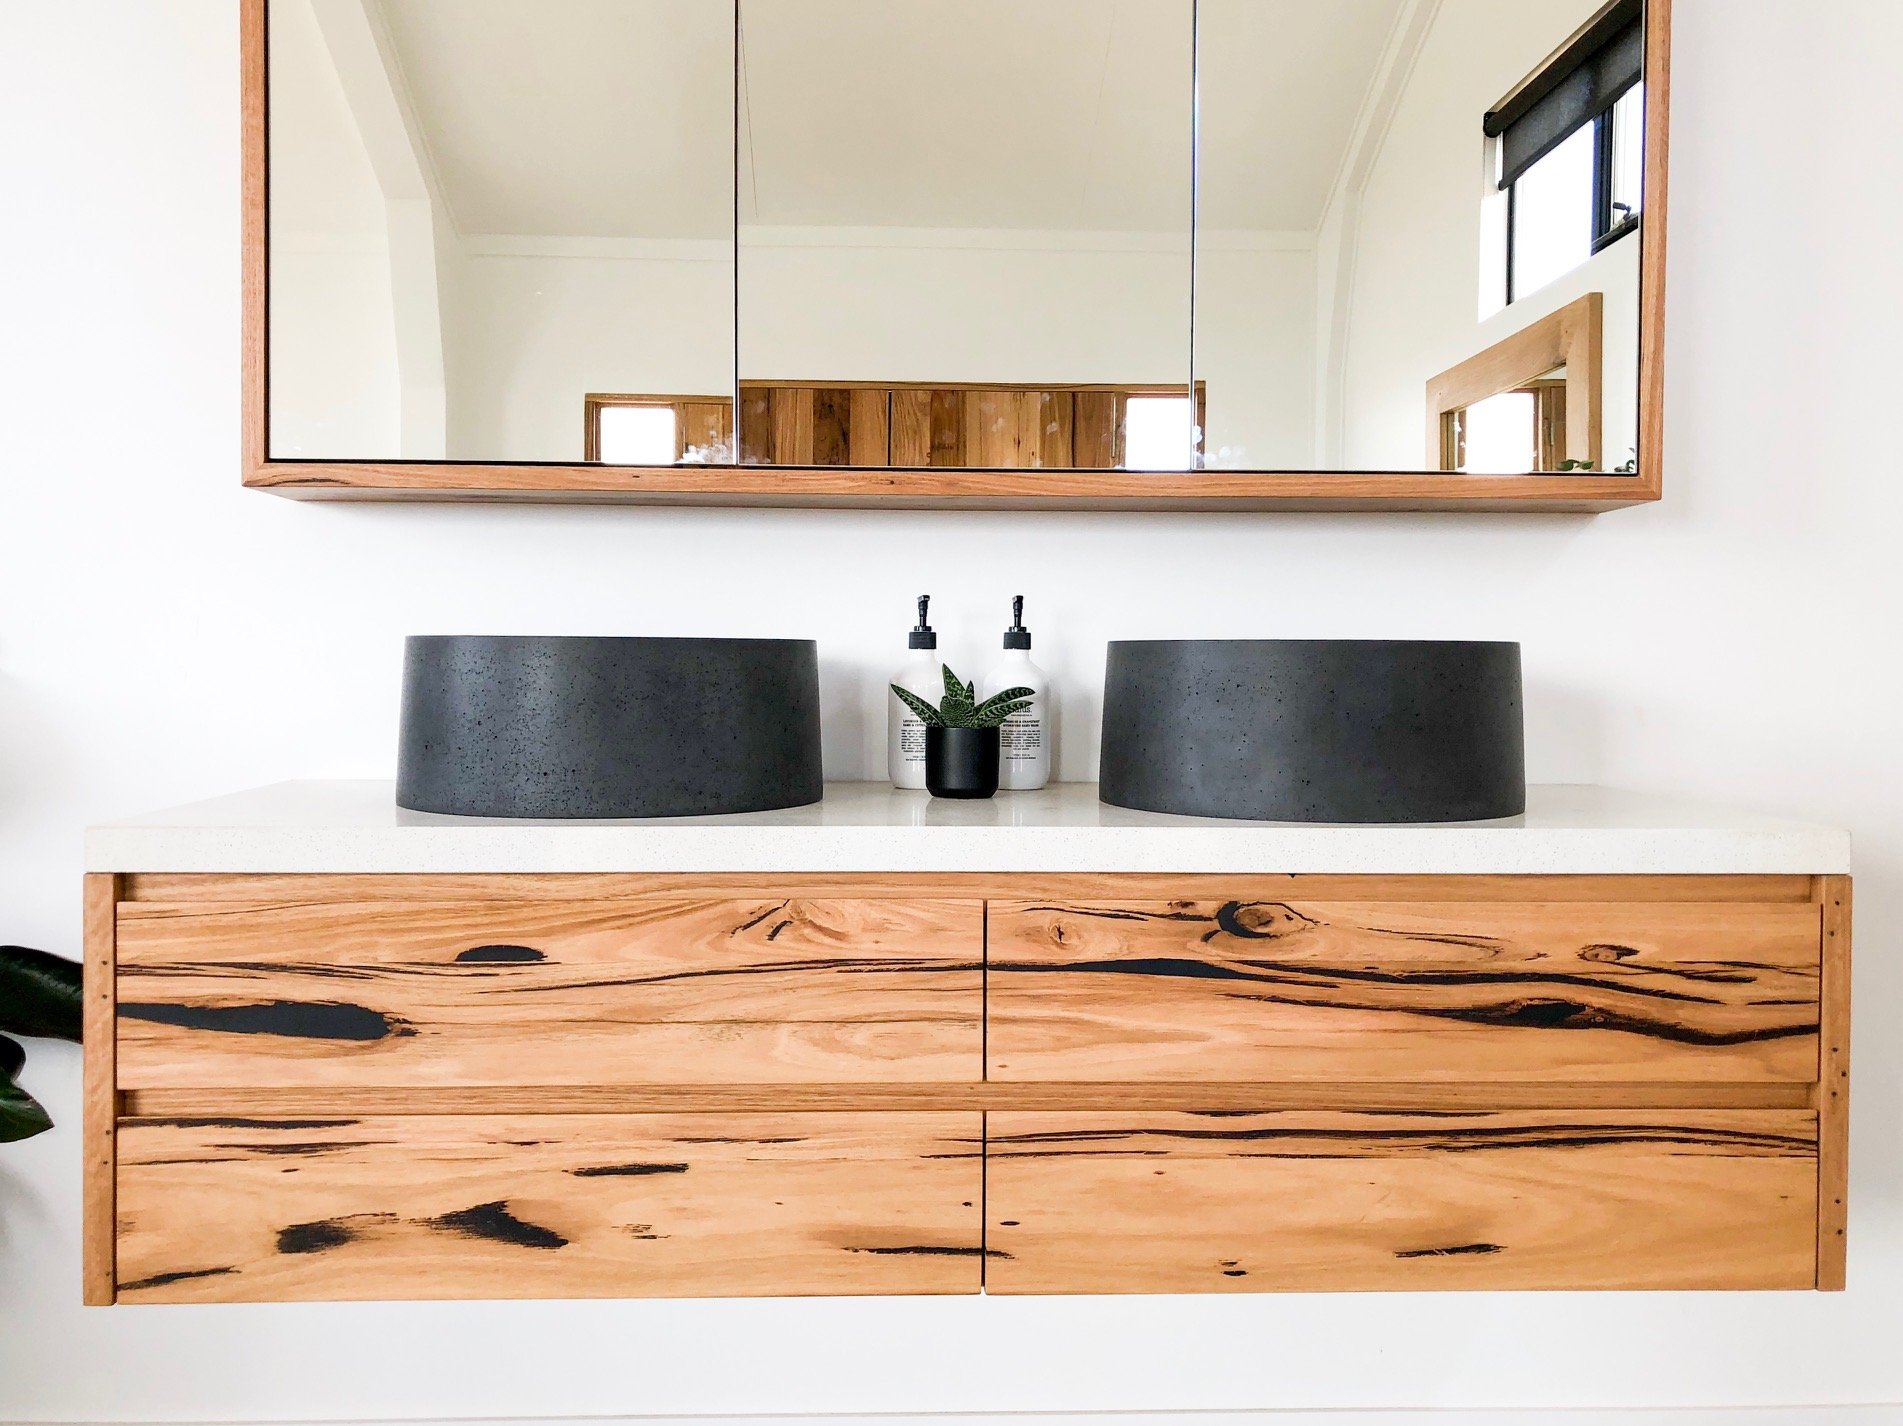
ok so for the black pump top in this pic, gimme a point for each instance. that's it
(922, 637)
(1017, 636)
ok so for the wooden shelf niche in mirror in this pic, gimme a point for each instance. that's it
(929, 459)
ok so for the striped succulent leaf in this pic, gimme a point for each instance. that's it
(931, 717)
(994, 713)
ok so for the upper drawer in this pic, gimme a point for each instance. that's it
(1501, 990)
(644, 990)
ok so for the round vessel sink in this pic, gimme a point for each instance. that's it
(516, 726)
(1315, 730)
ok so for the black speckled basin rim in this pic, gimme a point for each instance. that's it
(579, 726)
(1370, 731)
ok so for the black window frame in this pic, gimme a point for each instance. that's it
(1608, 225)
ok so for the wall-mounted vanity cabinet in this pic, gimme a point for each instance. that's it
(1236, 254)
(337, 1051)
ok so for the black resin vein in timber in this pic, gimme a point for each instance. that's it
(500, 955)
(757, 920)
(322, 1235)
(166, 1279)
(255, 1123)
(627, 1170)
(494, 1222)
(1462, 1250)
(841, 964)
(1474, 1139)
(934, 1250)
(1329, 977)
(290, 1019)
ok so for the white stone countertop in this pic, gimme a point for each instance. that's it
(356, 827)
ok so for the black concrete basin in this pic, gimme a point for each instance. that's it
(593, 727)
(1315, 730)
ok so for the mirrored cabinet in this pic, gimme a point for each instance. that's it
(1078, 253)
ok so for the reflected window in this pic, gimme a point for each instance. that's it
(1578, 200)
(636, 435)
(1159, 433)
(1571, 150)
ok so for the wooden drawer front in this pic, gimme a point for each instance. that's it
(1334, 1202)
(1266, 991)
(651, 990)
(661, 1205)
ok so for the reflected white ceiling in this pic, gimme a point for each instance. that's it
(612, 118)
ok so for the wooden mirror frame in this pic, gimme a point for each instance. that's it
(945, 488)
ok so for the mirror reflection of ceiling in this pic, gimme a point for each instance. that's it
(1033, 114)
(573, 118)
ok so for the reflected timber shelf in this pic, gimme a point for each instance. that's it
(940, 488)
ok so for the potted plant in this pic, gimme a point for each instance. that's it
(961, 736)
(39, 998)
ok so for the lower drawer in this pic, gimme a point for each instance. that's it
(644, 1205)
(1343, 1202)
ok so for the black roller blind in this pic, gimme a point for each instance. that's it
(1577, 85)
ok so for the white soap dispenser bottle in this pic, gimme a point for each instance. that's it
(1024, 753)
(904, 729)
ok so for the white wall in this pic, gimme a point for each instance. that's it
(1418, 242)
(334, 372)
(535, 323)
(165, 635)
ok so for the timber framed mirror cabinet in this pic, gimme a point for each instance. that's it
(1011, 253)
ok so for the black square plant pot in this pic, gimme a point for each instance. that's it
(961, 762)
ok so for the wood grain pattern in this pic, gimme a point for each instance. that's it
(101, 1096)
(236, 1210)
(348, 889)
(1342, 991)
(1342, 1202)
(255, 242)
(1027, 1096)
(1833, 1090)
(1572, 337)
(650, 990)
(871, 427)
(1652, 253)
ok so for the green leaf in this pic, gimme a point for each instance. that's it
(991, 717)
(40, 994)
(957, 699)
(919, 706)
(21, 1115)
(1009, 695)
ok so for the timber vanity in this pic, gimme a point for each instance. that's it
(886, 1045)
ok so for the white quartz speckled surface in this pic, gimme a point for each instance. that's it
(356, 827)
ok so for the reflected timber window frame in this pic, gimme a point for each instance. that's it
(941, 488)
(698, 420)
(1574, 338)
(1580, 84)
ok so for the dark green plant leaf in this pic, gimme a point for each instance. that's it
(40, 994)
(997, 715)
(957, 700)
(918, 705)
(1010, 695)
(21, 1115)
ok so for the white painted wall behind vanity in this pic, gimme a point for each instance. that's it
(165, 635)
